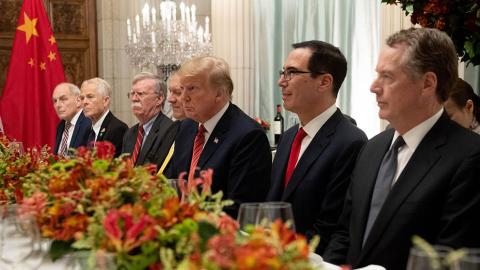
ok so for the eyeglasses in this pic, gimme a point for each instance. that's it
(287, 73)
(140, 95)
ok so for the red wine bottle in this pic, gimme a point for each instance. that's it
(278, 124)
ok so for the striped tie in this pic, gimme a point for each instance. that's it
(138, 144)
(197, 150)
(63, 145)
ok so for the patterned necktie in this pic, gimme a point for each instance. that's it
(138, 144)
(197, 150)
(383, 184)
(63, 145)
(91, 139)
(294, 153)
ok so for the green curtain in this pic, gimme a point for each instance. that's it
(279, 23)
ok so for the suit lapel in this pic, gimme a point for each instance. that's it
(312, 153)
(152, 138)
(280, 164)
(75, 130)
(217, 136)
(58, 135)
(104, 126)
(421, 162)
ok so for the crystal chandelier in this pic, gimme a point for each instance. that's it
(165, 42)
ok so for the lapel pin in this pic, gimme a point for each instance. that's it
(215, 140)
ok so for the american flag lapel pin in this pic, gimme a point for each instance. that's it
(215, 140)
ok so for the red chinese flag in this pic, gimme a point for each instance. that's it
(35, 69)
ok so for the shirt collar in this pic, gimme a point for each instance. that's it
(212, 122)
(147, 126)
(312, 127)
(98, 124)
(75, 118)
(414, 136)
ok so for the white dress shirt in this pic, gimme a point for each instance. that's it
(96, 127)
(73, 122)
(412, 139)
(312, 127)
(211, 123)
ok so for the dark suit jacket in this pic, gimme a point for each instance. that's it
(112, 130)
(320, 180)
(157, 143)
(436, 197)
(238, 151)
(80, 133)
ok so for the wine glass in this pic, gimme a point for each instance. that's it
(18, 237)
(470, 261)
(175, 184)
(17, 147)
(90, 260)
(420, 260)
(248, 214)
(269, 212)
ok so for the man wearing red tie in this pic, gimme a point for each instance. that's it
(314, 159)
(218, 135)
(150, 139)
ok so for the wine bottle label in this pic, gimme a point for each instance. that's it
(277, 127)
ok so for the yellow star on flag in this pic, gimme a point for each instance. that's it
(52, 56)
(31, 62)
(52, 40)
(28, 27)
(43, 66)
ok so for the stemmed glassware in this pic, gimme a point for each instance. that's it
(19, 238)
(469, 261)
(422, 260)
(263, 214)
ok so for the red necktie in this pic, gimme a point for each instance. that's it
(197, 150)
(138, 144)
(294, 152)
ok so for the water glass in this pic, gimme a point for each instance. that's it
(269, 212)
(175, 184)
(90, 260)
(420, 260)
(470, 261)
(19, 236)
(263, 214)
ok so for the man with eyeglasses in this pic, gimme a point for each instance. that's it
(95, 97)
(150, 139)
(218, 135)
(314, 159)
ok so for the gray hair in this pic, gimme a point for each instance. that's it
(71, 87)
(429, 50)
(159, 85)
(102, 86)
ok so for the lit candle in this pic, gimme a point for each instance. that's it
(182, 11)
(137, 24)
(129, 30)
(154, 16)
(193, 11)
(146, 15)
(187, 16)
(207, 25)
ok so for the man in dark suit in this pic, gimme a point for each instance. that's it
(219, 135)
(422, 176)
(148, 141)
(314, 159)
(73, 129)
(95, 96)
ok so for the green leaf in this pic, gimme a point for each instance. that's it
(469, 49)
(59, 248)
(206, 231)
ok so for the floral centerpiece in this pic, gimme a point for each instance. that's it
(14, 164)
(460, 19)
(100, 203)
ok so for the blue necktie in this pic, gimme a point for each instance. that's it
(383, 184)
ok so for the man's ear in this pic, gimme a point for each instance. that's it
(325, 82)
(430, 83)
